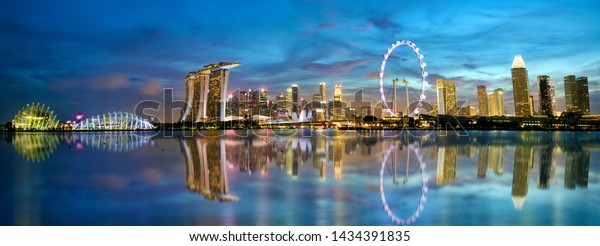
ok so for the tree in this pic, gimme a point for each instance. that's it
(369, 118)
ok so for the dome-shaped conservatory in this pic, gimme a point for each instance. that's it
(114, 121)
(36, 117)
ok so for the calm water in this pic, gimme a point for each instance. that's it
(310, 178)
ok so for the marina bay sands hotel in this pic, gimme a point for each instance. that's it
(206, 93)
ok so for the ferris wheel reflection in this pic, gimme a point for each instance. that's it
(392, 151)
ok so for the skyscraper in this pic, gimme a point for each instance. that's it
(482, 100)
(553, 95)
(337, 111)
(206, 93)
(571, 95)
(520, 84)
(583, 95)
(294, 98)
(446, 97)
(323, 91)
(545, 95)
(496, 102)
(289, 101)
(337, 95)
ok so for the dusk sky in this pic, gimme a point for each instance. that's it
(104, 56)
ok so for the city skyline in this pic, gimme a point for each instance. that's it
(52, 56)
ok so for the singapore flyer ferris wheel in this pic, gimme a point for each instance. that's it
(423, 76)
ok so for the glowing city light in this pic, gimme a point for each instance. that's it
(79, 116)
(423, 75)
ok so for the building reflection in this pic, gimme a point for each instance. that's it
(545, 167)
(35, 146)
(491, 157)
(113, 141)
(522, 165)
(206, 170)
(446, 164)
(577, 167)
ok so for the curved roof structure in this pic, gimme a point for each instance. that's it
(114, 121)
(36, 117)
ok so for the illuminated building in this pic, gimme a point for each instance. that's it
(553, 95)
(289, 103)
(114, 121)
(206, 171)
(520, 182)
(496, 102)
(545, 95)
(446, 97)
(294, 98)
(362, 108)
(35, 117)
(583, 95)
(322, 91)
(520, 84)
(337, 105)
(258, 101)
(337, 95)
(467, 111)
(206, 93)
(482, 100)
(446, 165)
(531, 106)
(571, 95)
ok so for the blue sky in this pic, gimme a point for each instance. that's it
(100, 56)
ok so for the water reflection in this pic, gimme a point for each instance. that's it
(336, 175)
(205, 168)
(37, 146)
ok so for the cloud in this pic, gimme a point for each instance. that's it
(152, 87)
(372, 75)
(327, 25)
(471, 66)
(336, 68)
(106, 82)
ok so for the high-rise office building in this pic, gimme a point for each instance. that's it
(577, 96)
(446, 97)
(531, 106)
(553, 95)
(520, 84)
(583, 95)
(545, 95)
(337, 94)
(206, 93)
(571, 95)
(496, 102)
(482, 100)
(322, 91)
(294, 98)
(289, 101)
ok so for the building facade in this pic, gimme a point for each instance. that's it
(520, 84)
(206, 93)
(482, 100)
(446, 97)
(545, 95)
